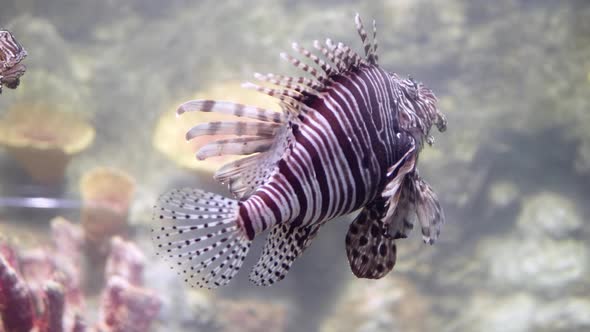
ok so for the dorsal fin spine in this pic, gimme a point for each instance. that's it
(363, 34)
(305, 52)
(289, 84)
(305, 67)
(281, 94)
(327, 53)
(374, 55)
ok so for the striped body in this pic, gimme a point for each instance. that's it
(11, 51)
(348, 138)
(339, 158)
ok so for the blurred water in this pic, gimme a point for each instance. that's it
(512, 170)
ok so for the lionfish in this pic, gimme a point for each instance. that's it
(11, 54)
(348, 137)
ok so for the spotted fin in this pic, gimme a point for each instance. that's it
(200, 234)
(370, 249)
(284, 244)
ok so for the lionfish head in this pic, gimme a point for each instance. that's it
(424, 104)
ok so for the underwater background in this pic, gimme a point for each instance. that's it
(89, 140)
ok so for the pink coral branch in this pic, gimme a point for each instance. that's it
(16, 302)
(126, 261)
(128, 308)
(10, 255)
(54, 304)
(68, 242)
(48, 296)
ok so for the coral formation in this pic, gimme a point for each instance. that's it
(391, 304)
(44, 139)
(252, 316)
(106, 197)
(541, 255)
(40, 289)
(521, 312)
(16, 304)
(127, 308)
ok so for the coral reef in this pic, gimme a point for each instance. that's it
(43, 287)
(16, 305)
(44, 139)
(541, 255)
(521, 312)
(391, 304)
(107, 194)
(251, 316)
(530, 277)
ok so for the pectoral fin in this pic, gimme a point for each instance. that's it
(428, 210)
(370, 242)
(370, 249)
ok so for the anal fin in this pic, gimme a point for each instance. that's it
(284, 244)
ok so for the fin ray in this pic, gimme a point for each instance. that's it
(245, 175)
(235, 146)
(428, 210)
(371, 251)
(199, 233)
(226, 107)
(284, 244)
(239, 128)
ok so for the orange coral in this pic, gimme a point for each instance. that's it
(106, 195)
(44, 139)
(169, 135)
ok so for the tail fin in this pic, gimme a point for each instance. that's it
(199, 233)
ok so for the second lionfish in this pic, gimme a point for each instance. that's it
(348, 138)
(11, 54)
